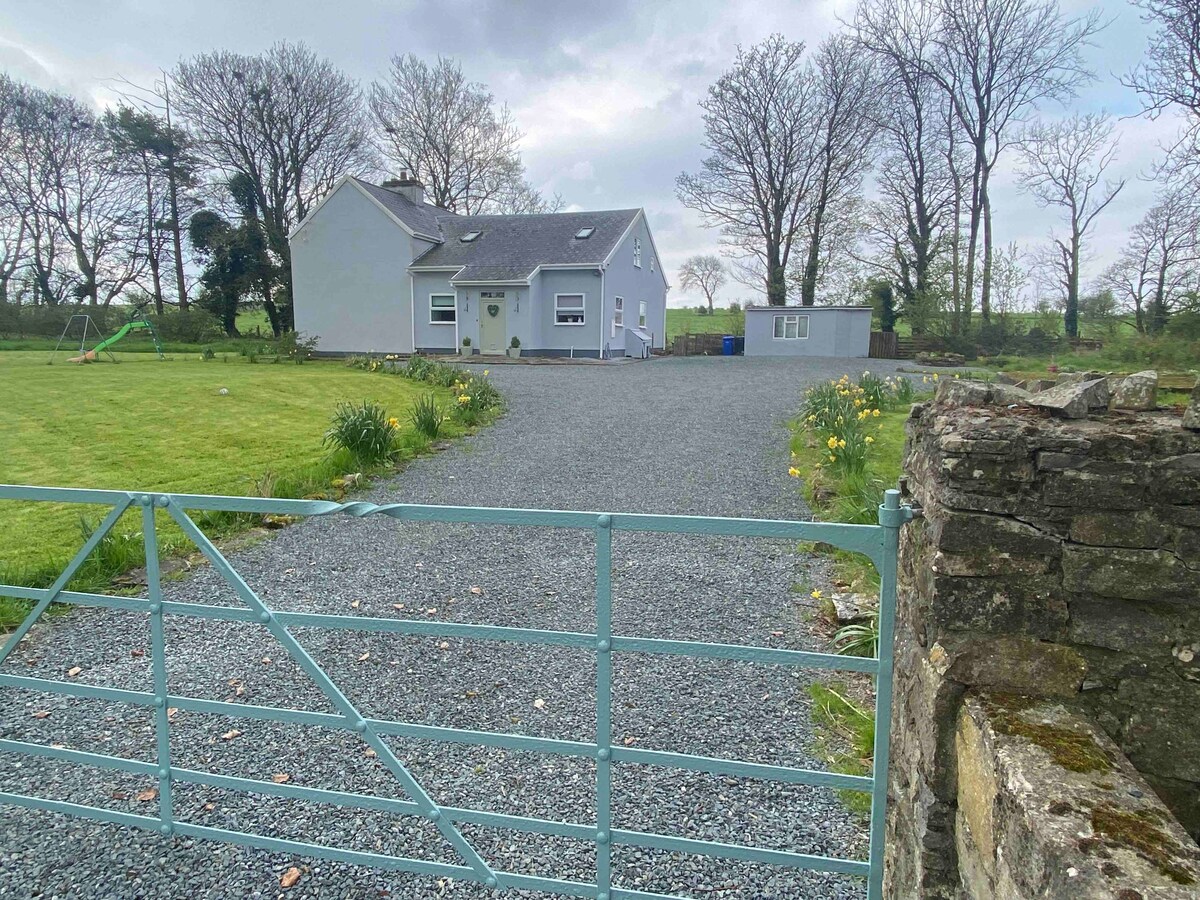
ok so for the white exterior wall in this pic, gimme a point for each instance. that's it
(832, 331)
(623, 279)
(350, 277)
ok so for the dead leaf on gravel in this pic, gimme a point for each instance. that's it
(266, 660)
(629, 740)
(365, 656)
(147, 795)
(137, 652)
(431, 610)
(476, 591)
(281, 777)
(539, 703)
(119, 795)
(230, 734)
(209, 807)
(40, 714)
(444, 645)
(172, 711)
(73, 671)
(369, 753)
(290, 877)
(397, 606)
(354, 604)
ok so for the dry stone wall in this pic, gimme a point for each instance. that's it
(1056, 558)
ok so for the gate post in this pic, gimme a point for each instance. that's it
(891, 516)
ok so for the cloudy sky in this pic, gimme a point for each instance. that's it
(605, 92)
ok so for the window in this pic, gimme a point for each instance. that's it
(790, 328)
(584, 233)
(442, 309)
(618, 320)
(491, 295)
(642, 314)
(651, 263)
(637, 252)
(568, 309)
(470, 236)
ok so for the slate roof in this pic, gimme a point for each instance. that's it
(511, 247)
(421, 218)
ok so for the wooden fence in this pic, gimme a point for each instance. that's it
(883, 345)
(697, 345)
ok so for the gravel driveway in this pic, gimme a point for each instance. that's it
(700, 436)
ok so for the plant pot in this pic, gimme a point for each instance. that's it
(464, 351)
(514, 352)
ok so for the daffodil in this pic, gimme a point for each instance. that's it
(832, 458)
(832, 442)
(869, 439)
(875, 413)
(794, 472)
(816, 595)
(841, 444)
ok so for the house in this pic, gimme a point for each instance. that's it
(808, 330)
(376, 268)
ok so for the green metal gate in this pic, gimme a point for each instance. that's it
(878, 542)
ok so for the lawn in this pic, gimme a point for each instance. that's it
(147, 424)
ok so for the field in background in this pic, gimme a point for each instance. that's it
(688, 321)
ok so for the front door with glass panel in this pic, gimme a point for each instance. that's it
(492, 329)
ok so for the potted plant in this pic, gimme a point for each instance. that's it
(514, 347)
(466, 347)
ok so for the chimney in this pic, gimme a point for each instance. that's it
(406, 186)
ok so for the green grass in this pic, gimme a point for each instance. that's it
(149, 425)
(688, 321)
(848, 738)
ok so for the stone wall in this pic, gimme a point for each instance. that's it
(1056, 558)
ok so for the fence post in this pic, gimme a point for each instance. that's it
(158, 650)
(603, 706)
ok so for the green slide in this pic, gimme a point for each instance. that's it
(139, 323)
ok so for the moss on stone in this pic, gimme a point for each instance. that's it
(1138, 831)
(1073, 750)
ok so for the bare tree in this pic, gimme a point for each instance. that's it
(996, 60)
(1157, 273)
(167, 149)
(704, 272)
(1169, 76)
(287, 122)
(451, 134)
(913, 220)
(755, 184)
(1063, 166)
(843, 146)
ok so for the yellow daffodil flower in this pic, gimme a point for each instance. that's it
(794, 472)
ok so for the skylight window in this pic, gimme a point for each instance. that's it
(470, 236)
(584, 233)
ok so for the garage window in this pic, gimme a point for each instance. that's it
(790, 328)
(568, 309)
(442, 309)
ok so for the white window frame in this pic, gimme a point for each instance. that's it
(789, 319)
(637, 253)
(452, 308)
(643, 309)
(618, 318)
(580, 310)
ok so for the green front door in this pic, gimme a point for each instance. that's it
(492, 329)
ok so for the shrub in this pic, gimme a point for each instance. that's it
(515, 343)
(364, 430)
(426, 417)
(297, 346)
(190, 326)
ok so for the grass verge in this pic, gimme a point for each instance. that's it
(847, 738)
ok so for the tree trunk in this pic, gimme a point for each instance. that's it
(985, 288)
(1071, 313)
(776, 285)
(968, 288)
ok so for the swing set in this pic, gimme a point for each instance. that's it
(138, 321)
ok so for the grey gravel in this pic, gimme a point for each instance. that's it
(689, 436)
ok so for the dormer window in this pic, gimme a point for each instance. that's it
(584, 233)
(470, 236)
